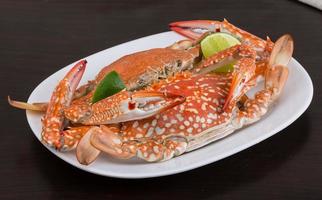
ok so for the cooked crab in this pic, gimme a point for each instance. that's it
(180, 112)
(213, 109)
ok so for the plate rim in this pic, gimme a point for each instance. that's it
(210, 160)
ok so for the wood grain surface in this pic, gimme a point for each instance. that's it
(39, 37)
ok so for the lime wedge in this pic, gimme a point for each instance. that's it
(111, 84)
(217, 42)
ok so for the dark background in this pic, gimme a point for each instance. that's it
(39, 37)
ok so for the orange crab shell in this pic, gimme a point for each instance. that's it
(205, 97)
(143, 66)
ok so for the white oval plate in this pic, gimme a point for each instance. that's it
(294, 100)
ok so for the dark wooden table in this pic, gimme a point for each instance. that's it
(39, 37)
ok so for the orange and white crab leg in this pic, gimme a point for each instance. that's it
(254, 109)
(237, 52)
(257, 107)
(275, 79)
(52, 131)
(109, 140)
(246, 37)
(123, 106)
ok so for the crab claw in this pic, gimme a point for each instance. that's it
(195, 28)
(52, 132)
(235, 89)
(85, 152)
(282, 51)
(276, 78)
(123, 106)
(244, 73)
(277, 72)
(145, 104)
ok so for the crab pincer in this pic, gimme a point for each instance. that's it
(193, 29)
(53, 121)
(123, 106)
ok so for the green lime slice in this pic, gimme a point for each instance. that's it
(111, 84)
(215, 43)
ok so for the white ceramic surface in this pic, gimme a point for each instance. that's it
(294, 100)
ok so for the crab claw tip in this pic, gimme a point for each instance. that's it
(233, 90)
(195, 28)
(282, 51)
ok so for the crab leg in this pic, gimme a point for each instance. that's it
(237, 52)
(108, 140)
(52, 132)
(42, 107)
(123, 106)
(275, 78)
(241, 75)
(255, 108)
(280, 56)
